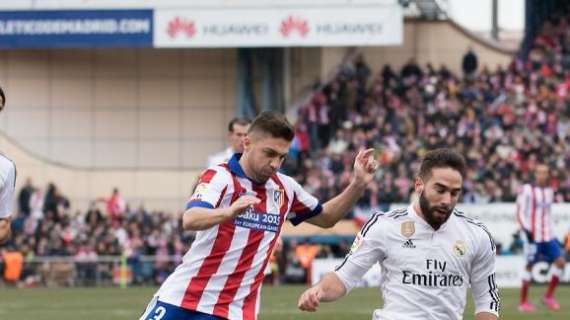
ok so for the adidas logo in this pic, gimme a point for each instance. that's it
(409, 244)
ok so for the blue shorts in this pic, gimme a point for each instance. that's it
(543, 251)
(158, 310)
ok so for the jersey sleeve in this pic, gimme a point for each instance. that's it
(485, 291)
(366, 250)
(211, 188)
(304, 206)
(7, 193)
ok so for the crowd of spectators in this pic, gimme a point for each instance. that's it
(47, 227)
(503, 120)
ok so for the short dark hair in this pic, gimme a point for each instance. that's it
(3, 99)
(274, 124)
(442, 158)
(238, 121)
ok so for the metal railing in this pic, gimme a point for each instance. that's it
(97, 271)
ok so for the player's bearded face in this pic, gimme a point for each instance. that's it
(265, 156)
(439, 195)
(435, 215)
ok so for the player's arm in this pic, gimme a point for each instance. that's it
(204, 209)
(5, 229)
(201, 218)
(6, 203)
(364, 253)
(330, 288)
(336, 208)
(485, 291)
(523, 203)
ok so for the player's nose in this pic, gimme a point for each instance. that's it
(446, 199)
(275, 163)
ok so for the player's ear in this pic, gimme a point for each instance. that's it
(419, 185)
(246, 143)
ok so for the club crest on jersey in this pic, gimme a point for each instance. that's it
(459, 248)
(407, 228)
(200, 190)
(278, 197)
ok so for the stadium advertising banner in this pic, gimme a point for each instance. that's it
(76, 28)
(508, 272)
(501, 220)
(510, 269)
(260, 27)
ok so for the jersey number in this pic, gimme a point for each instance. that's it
(159, 313)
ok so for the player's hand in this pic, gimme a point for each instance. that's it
(241, 205)
(310, 299)
(364, 167)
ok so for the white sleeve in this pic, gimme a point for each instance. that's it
(7, 192)
(366, 250)
(482, 278)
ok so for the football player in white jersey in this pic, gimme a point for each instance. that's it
(7, 185)
(429, 253)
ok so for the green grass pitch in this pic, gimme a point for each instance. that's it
(278, 303)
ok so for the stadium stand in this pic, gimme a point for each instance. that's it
(503, 121)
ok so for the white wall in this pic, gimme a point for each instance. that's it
(126, 108)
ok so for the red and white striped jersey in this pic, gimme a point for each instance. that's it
(222, 272)
(534, 212)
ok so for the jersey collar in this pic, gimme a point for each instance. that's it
(235, 167)
(416, 216)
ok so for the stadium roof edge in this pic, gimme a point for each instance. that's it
(493, 45)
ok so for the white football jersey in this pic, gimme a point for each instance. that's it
(425, 272)
(7, 186)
